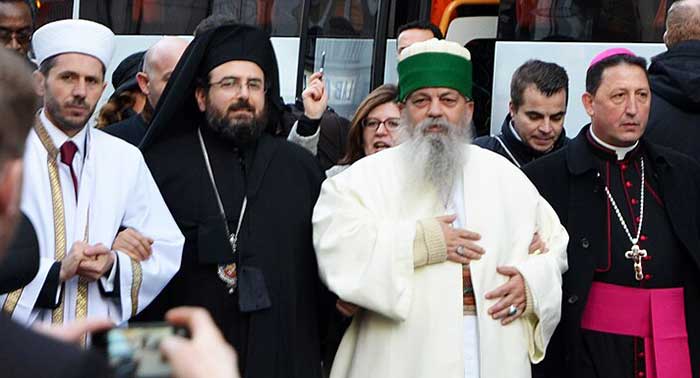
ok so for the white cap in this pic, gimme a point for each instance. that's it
(435, 45)
(73, 36)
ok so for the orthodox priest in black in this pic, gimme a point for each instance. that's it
(243, 199)
(631, 297)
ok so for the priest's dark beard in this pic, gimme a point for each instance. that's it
(438, 156)
(242, 132)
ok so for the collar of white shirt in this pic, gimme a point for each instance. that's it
(58, 137)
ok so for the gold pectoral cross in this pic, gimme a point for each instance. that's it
(636, 255)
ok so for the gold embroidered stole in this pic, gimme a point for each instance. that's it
(57, 314)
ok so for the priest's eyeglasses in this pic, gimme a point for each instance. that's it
(23, 36)
(373, 123)
(235, 85)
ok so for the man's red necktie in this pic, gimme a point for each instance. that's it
(68, 151)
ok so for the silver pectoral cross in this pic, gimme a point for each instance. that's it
(636, 255)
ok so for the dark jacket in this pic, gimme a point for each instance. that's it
(132, 129)
(24, 353)
(334, 132)
(508, 145)
(674, 120)
(20, 264)
(570, 181)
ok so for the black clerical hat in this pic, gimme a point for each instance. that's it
(177, 109)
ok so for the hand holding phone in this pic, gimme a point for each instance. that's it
(206, 354)
(135, 351)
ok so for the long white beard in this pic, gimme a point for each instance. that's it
(437, 158)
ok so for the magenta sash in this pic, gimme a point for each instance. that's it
(657, 315)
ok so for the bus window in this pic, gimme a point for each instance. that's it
(344, 30)
(583, 20)
(343, 19)
(52, 10)
(180, 17)
(174, 17)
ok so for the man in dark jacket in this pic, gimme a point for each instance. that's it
(631, 295)
(243, 199)
(675, 82)
(534, 126)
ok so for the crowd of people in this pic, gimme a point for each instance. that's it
(294, 243)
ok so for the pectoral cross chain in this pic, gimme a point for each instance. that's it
(637, 255)
(233, 239)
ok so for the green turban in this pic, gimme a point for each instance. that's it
(437, 64)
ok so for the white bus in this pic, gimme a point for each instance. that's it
(358, 37)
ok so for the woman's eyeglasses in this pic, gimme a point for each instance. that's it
(373, 123)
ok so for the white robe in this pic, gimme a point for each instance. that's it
(117, 187)
(411, 324)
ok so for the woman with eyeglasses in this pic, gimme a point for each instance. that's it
(373, 128)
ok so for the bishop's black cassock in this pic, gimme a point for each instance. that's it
(573, 180)
(273, 318)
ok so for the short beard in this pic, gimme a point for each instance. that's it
(438, 156)
(242, 132)
(53, 108)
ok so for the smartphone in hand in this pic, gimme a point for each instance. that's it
(135, 351)
(323, 62)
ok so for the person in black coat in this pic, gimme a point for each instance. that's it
(616, 193)
(25, 353)
(127, 100)
(243, 199)
(535, 125)
(675, 83)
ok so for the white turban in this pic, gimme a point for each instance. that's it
(73, 36)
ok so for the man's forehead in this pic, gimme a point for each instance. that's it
(16, 10)
(15, 23)
(78, 62)
(624, 74)
(238, 68)
(416, 35)
(533, 97)
(439, 91)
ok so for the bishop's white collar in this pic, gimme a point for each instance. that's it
(621, 152)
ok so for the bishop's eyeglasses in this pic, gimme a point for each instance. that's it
(234, 85)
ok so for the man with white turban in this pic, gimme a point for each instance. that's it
(391, 237)
(80, 187)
